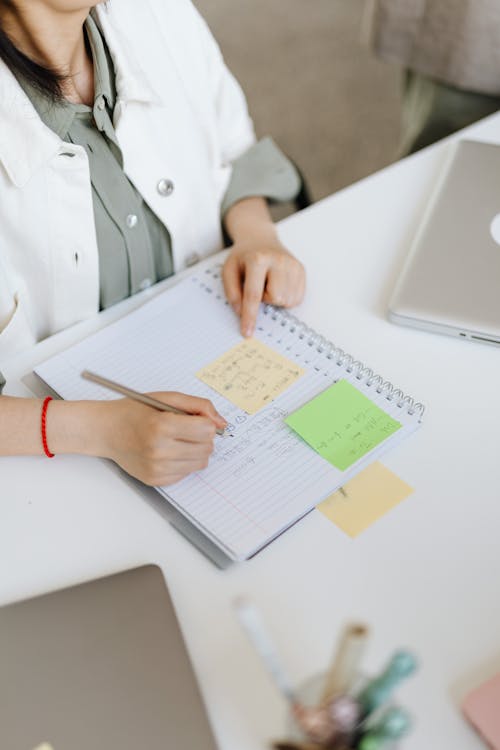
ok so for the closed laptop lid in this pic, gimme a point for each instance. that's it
(100, 666)
(452, 276)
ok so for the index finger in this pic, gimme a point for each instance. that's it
(192, 405)
(191, 428)
(253, 291)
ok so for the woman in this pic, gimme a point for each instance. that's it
(123, 141)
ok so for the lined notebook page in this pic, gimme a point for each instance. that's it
(264, 478)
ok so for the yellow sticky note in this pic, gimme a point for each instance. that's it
(250, 375)
(364, 499)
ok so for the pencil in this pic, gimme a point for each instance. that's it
(254, 627)
(346, 661)
(135, 395)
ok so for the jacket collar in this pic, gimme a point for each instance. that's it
(132, 84)
(26, 144)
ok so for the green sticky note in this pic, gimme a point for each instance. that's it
(342, 424)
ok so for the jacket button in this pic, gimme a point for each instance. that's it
(192, 259)
(131, 221)
(165, 187)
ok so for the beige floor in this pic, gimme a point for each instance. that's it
(311, 83)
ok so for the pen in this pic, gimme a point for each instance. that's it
(379, 690)
(394, 723)
(135, 395)
(346, 661)
(254, 628)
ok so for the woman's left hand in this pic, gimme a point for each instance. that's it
(261, 270)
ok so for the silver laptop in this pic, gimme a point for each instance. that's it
(100, 666)
(451, 281)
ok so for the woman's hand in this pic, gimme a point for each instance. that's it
(160, 448)
(259, 268)
(154, 446)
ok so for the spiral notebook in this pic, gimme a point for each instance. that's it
(262, 477)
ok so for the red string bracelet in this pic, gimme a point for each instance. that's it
(44, 427)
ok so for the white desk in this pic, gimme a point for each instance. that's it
(425, 576)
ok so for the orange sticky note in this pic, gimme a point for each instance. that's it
(364, 499)
(250, 375)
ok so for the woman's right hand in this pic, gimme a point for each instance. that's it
(159, 448)
(154, 446)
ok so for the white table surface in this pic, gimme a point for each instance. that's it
(425, 576)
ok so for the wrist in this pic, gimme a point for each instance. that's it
(256, 236)
(78, 427)
(262, 234)
(249, 219)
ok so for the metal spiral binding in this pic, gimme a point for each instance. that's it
(346, 361)
(334, 353)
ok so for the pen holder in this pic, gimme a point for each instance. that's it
(309, 695)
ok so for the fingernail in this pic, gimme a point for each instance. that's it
(247, 331)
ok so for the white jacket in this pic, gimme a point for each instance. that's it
(180, 115)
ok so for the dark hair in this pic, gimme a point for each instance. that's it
(45, 80)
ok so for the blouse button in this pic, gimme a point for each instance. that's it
(131, 221)
(165, 187)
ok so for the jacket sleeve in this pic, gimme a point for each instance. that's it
(5, 317)
(235, 127)
(262, 171)
(7, 301)
(201, 64)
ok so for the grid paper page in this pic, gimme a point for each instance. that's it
(263, 479)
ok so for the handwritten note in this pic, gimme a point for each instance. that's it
(364, 499)
(250, 375)
(342, 424)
